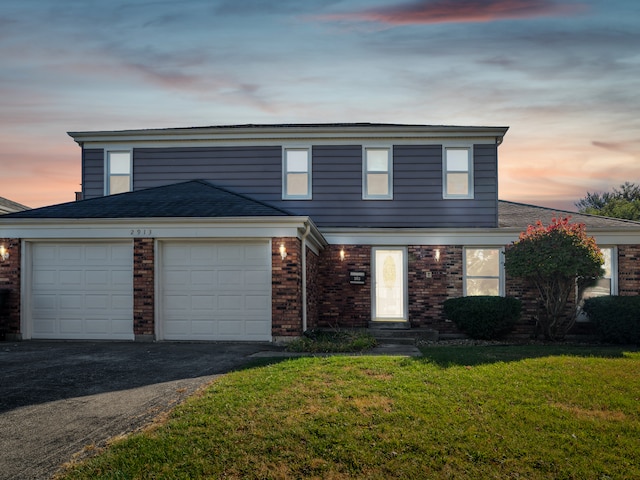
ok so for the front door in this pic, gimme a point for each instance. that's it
(389, 285)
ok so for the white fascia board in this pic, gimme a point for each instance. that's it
(246, 227)
(453, 236)
(279, 135)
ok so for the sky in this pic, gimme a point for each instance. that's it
(563, 75)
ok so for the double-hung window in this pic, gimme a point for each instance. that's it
(483, 271)
(118, 168)
(377, 173)
(457, 171)
(296, 173)
(605, 285)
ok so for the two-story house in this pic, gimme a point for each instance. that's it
(259, 232)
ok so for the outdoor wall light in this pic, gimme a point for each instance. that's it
(342, 254)
(4, 254)
(437, 255)
(283, 251)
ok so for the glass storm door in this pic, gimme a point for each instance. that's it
(389, 292)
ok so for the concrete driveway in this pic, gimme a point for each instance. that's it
(60, 400)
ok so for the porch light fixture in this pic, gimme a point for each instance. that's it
(342, 254)
(437, 255)
(283, 251)
(4, 254)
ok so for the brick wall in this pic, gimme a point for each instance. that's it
(313, 296)
(427, 295)
(143, 286)
(342, 304)
(286, 285)
(10, 280)
(629, 270)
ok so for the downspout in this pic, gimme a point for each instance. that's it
(304, 276)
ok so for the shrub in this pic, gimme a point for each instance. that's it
(553, 259)
(484, 317)
(615, 319)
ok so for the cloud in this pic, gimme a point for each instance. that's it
(457, 11)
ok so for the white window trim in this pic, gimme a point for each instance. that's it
(501, 273)
(309, 151)
(454, 146)
(107, 183)
(365, 196)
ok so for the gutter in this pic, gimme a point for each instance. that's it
(304, 275)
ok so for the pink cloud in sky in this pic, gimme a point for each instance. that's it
(457, 11)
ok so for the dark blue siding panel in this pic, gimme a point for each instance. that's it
(92, 173)
(337, 182)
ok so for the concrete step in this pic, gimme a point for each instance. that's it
(403, 337)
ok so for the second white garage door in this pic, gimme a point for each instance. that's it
(215, 291)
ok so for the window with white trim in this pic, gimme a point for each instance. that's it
(118, 168)
(296, 173)
(377, 173)
(605, 285)
(483, 271)
(457, 172)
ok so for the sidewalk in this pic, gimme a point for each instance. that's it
(383, 349)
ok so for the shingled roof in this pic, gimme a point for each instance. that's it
(195, 199)
(8, 206)
(521, 215)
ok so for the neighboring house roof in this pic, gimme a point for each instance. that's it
(521, 215)
(194, 199)
(7, 206)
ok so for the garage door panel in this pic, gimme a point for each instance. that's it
(82, 291)
(227, 285)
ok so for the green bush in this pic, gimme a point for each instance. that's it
(484, 317)
(615, 319)
(333, 341)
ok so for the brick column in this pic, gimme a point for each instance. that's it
(10, 280)
(629, 270)
(143, 289)
(286, 288)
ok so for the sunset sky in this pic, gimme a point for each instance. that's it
(563, 75)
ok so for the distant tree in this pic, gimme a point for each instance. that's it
(622, 202)
(554, 259)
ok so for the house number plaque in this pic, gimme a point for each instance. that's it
(356, 278)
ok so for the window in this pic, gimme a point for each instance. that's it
(457, 172)
(377, 174)
(606, 285)
(296, 166)
(118, 172)
(483, 273)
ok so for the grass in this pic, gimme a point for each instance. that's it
(333, 341)
(533, 412)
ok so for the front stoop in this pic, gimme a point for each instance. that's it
(404, 336)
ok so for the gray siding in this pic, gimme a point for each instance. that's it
(92, 173)
(337, 183)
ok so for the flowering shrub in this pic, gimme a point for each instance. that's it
(554, 259)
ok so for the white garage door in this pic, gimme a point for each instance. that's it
(82, 291)
(216, 291)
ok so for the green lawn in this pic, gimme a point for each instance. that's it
(533, 412)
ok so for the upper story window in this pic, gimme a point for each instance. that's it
(458, 172)
(483, 271)
(377, 173)
(296, 172)
(118, 167)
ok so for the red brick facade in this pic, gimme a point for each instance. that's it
(331, 299)
(10, 280)
(286, 284)
(143, 286)
(341, 303)
(629, 270)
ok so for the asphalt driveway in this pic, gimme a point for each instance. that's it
(60, 400)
